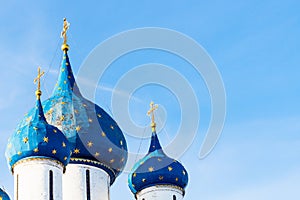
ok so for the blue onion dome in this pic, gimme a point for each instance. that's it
(3, 195)
(34, 138)
(95, 137)
(156, 168)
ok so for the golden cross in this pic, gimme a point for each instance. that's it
(65, 29)
(38, 80)
(153, 107)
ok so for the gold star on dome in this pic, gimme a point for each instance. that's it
(183, 172)
(54, 130)
(176, 179)
(25, 139)
(35, 150)
(90, 144)
(134, 175)
(28, 119)
(62, 118)
(170, 168)
(159, 159)
(35, 128)
(112, 127)
(76, 151)
(110, 150)
(76, 111)
(122, 160)
(54, 151)
(90, 120)
(150, 169)
(97, 154)
(64, 144)
(19, 131)
(144, 180)
(99, 115)
(112, 161)
(9, 146)
(65, 82)
(65, 158)
(121, 142)
(78, 128)
(63, 103)
(19, 153)
(46, 139)
(160, 177)
(103, 134)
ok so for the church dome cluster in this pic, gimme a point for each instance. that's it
(94, 137)
(67, 129)
(74, 123)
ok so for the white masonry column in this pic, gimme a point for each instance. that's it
(85, 182)
(160, 192)
(38, 179)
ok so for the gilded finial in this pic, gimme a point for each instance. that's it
(66, 25)
(153, 107)
(38, 92)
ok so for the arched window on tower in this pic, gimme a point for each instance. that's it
(87, 181)
(174, 197)
(50, 185)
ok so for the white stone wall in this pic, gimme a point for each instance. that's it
(31, 179)
(160, 193)
(75, 187)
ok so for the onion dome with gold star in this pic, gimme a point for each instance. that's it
(95, 137)
(3, 195)
(156, 168)
(34, 138)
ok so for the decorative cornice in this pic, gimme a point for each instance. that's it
(37, 159)
(93, 163)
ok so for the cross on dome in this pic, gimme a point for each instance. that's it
(66, 26)
(153, 107)
(38, 92)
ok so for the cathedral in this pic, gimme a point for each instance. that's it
(68, 148)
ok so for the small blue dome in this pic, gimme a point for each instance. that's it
(34, 137)
(156, 168)
(3, 195)
(95, 137)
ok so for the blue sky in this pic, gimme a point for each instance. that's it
(255, 45)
